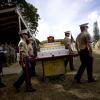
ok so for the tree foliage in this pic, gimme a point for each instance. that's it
(96, 31)
(30, 14)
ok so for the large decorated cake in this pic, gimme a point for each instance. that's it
(52, 49)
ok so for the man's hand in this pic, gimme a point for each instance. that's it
(23, 65)
(90, 49)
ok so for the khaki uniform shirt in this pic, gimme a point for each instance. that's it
(30, 49)
(82, 40)
(23, 47)
(67, 42)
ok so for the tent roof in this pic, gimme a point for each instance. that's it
(9, 24)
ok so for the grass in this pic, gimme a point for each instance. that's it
(56, 88)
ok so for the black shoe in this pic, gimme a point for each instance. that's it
(16, 88)
(73, 69)
(77, 80)
(30, 90)
(2, 85)
(93, 80)
(33, 75)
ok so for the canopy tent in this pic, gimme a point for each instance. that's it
(11, 22)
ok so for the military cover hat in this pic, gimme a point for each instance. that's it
(84, 25)
(67, 32)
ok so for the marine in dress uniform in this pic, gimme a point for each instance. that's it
(83, 46)
(1, 65)
(69, 58)
(25, 63)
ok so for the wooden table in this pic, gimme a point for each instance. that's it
(52, 66)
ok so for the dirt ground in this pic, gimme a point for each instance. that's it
(61, 88)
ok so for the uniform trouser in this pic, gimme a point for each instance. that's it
(0, 79)
(0, 74)
(69, 59)
(86, 62)
(2, 61)
(25, 76)
(0, 71)
(32, 69)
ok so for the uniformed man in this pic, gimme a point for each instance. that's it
(25, 63)
(1, 65)
(83, 46)
(67, 43)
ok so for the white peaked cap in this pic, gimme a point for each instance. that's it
(84, 25)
